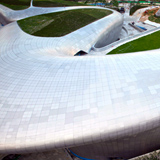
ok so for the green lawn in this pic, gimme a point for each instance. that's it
(148, 42)
(16, 4)
(23, 4)
(61, 23)
(55, 3)
(154, 19)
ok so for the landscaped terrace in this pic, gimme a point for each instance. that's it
(61, 23)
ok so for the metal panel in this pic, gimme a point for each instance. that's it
(48, 101)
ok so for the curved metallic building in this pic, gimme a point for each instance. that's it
(98, 106)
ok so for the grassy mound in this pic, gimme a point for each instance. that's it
(60, 23)
(135, 8)
(16, 4)
(23, 4)
(148, 42)
(152, 17)
(55, 3)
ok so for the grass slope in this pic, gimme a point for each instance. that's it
(148, 42)
(152, 17)
(60, 23)
(23, 4)
(55, 3)
(16, 4)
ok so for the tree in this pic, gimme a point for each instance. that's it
(115, 3)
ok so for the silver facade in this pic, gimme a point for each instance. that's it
(50, 99)
(82, 39)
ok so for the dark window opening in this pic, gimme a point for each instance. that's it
(80, 53)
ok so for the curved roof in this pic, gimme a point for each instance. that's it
(50, 101)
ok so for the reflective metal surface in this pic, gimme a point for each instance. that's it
(82, 39)
(48, 101)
